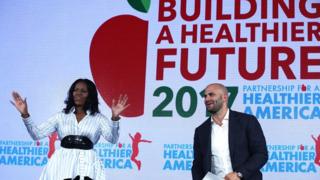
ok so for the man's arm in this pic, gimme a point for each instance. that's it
(197, 172)
(257, 148)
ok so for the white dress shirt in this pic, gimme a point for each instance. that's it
(220, 161)
(68, 163)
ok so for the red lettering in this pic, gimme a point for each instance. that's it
(288, 10)
(284, 64)
(195, 14)
(264, 9)
(315, 32)
(306, 13)
(238, 34)
(161, 64)
(237, 9)
(220, 15)
(167, 9)
(295, 31)
(224, 33)
(284, 31)
(274, 32)
(193, 33)
(204, 33)
(306, 62)
(208, 10)
(222, 59)
(165, 35)
(252, 27)
(201, 68)
(282, 59)
(261, 57)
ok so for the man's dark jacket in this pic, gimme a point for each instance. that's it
(247, 145)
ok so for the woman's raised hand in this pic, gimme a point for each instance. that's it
(19, 103)
(118, 107)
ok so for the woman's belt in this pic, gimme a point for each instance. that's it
(76, 142)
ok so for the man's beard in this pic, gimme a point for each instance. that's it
(217, 106)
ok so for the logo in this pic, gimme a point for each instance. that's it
(118, 55)
(52, 139)
(317, 149)
(294, 158)
(123, 155)
(23, 153)
(282, 102)
(136, 139)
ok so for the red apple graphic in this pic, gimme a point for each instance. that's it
(118, 55)
(303, 87)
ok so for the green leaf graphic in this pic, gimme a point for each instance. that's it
(140, 5)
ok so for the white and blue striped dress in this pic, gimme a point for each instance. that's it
(69, 163)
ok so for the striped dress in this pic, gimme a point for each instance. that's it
(69, 163)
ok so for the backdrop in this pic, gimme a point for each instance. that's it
(163, 54)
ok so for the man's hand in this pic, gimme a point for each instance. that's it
(232, 176)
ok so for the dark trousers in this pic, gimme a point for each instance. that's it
(78, 177)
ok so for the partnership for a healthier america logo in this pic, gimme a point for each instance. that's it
(294, 158)
(122, 155)
(177, 157)
(282, 102)
(26, 153)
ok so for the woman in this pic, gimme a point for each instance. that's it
(79, 127)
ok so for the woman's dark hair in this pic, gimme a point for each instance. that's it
(91, 103)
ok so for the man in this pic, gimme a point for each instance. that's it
(229, 144)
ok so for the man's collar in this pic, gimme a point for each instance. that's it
(225, 118)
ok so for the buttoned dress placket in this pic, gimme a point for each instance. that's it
(81, 153)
